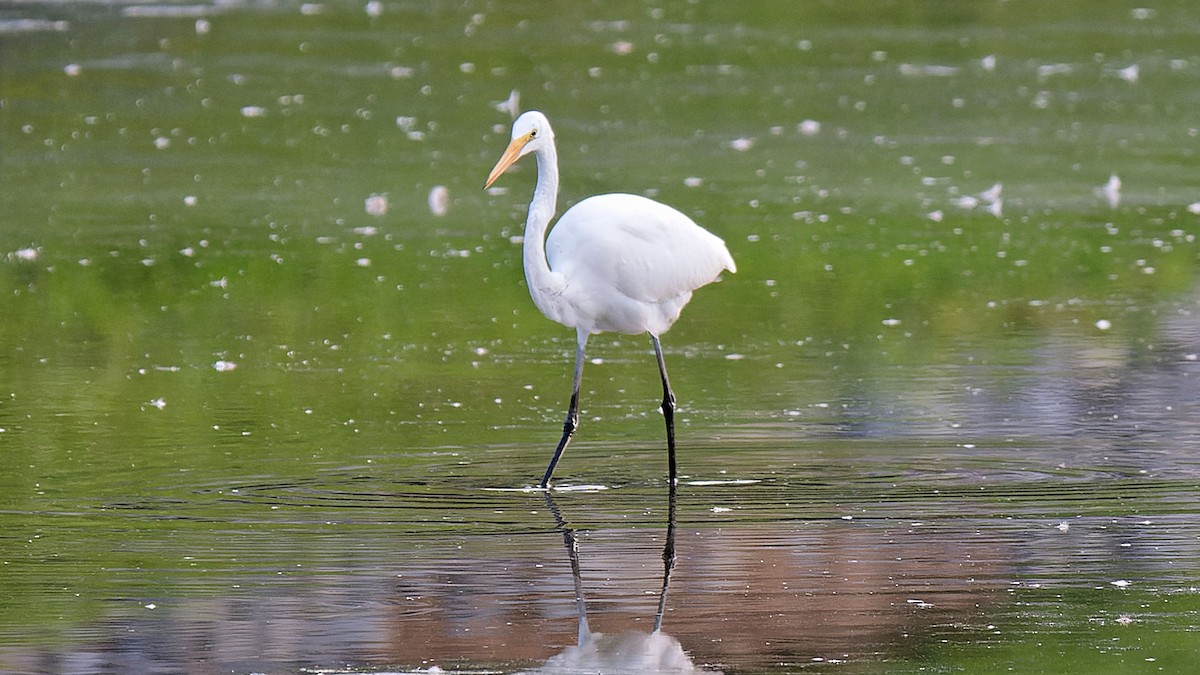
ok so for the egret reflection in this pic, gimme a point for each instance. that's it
(627, 651)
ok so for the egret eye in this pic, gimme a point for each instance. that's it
(532, 134)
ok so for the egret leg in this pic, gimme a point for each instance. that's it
(668, 408)
(572, 421)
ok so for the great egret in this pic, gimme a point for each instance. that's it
(614, 262)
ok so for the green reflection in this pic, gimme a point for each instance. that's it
(178, 197)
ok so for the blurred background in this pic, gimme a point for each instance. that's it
(272, 386)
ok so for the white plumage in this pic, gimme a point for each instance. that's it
(613, 262)
(630, 264)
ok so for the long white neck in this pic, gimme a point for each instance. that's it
(543, 284)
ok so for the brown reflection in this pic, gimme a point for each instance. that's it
(747, 597)
(833, 591)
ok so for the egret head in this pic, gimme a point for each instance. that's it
(530, 132)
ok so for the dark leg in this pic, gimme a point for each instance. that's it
(668, 408)
(572, 422)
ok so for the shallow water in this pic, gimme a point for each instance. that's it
(273, 394)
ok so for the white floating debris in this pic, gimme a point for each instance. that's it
(159, 403)
(510, 105)
(189, 200)
(374, 9)
(1121, 583)
(721, 509)
(224, 366)
(734, 357)
(622, 48)
(1046, 70)
(203, 26)
(367, 230)
(809, 127)
(28, 254)
(891, 322)
(439, 200)
(1103, 324)
(1194, 208)
(9, 26)
(1129, 73)
(910, 70)
(162, 142)
(741, 144)
(164, 10)
(988, 62)
(72, 69)
(1111, 191)
(936, 216)
(693, 181)
(989, 199)
(376, 204)
(363, 262)
(1062, 527)
(253, 111)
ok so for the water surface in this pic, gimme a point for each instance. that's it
(273, 394)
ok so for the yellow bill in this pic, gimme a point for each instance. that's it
(511, 154)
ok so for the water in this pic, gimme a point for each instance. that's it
(273, 394)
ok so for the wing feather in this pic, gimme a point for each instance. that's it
(646, 250)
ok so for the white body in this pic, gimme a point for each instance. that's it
(624, 263)
(614, 262)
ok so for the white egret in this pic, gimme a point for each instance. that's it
(613, 262)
